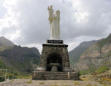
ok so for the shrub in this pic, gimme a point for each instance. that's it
(83, 72)
(2, 79)
(102, 69)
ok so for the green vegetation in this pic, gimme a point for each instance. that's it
(101, 69)
(90, 70)
(41, 83)
(4, 75)
(11, 73)
(16, 59)
(96, 58)
(2, 65)
(26, 76)
(104, 41)
(108, 54)
(20, 59)
(76, 83)
(29, 82)
(89, 84)
(83, 72)
(2, 79)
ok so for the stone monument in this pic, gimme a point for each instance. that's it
(54, 60)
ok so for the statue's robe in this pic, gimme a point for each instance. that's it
(54, 20)
(55, 28)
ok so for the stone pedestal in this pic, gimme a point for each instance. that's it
(54, 62)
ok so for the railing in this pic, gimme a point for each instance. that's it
(3, 74)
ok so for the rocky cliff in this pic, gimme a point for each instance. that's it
(76, 53)
(96, 56)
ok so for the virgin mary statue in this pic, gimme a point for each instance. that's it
(54, 20)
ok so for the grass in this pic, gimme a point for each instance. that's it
(54, 85)
(29, 82)
(24, 77)
(89, 84)
(41, 83)
(76, 83)
(102, 69)
(83, 72)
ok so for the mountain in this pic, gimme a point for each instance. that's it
(16, 58)
(5, 43)
(97, 57)
(20, 59)
(76, 53)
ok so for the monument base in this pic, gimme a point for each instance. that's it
(37, 75)
(54, 63)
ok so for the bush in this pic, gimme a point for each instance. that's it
(2, 79)
(83, 72)
(102, 69)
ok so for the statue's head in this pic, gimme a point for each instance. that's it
(50, 7)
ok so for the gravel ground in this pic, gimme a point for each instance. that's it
(28, 82)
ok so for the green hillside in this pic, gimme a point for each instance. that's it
(18, 60)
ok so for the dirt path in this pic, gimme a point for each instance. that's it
(28, 82)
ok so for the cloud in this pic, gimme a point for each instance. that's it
(26, 21)
(2, 9)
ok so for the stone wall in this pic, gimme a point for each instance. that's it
(55, 48)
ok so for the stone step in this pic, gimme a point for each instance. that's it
(54, 76)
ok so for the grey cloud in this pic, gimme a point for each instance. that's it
(2, 9)
(34, 25)
(34, 19)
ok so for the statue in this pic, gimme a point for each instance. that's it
(54, 20)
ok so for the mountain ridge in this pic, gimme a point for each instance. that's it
(76, 53)
(96, 56)
(17, 58)
(5, 42)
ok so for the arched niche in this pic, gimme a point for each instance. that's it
(54, 58)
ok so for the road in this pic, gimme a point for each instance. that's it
(29, 82)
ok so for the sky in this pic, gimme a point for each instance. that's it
(25, 22)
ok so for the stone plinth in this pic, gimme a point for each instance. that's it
(54, 62)
(55, 75)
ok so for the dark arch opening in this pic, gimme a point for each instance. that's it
(54, 58)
